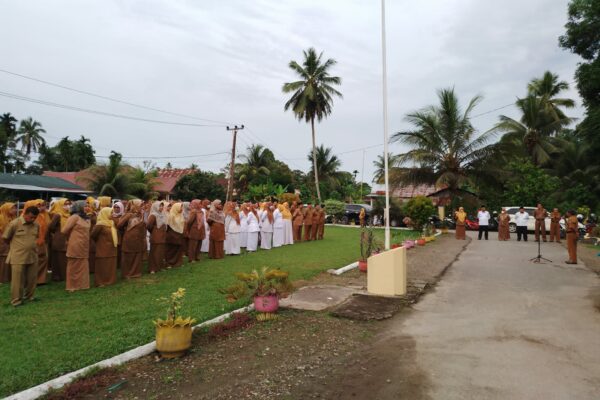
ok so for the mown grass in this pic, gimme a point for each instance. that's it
(66, 331)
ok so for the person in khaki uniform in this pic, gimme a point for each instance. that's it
(8, 212)
(555, 225)
(133, 244)
(315, 225)
(157, 226)
(308, 221)
(297, 221)
(321, 230)
(572, 235)
(22, 235)
(540, 222)
(77, 231)
(194, 230)
(104, 236)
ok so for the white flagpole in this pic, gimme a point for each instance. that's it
(385, 129)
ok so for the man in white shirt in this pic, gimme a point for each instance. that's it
(483, 217)
(521, 219)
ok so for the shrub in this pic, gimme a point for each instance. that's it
(335, 208)
(419, 209)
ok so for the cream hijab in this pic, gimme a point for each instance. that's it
(176, 220)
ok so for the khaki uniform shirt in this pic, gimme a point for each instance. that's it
(23, 237)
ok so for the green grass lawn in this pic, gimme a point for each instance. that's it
(66, 331)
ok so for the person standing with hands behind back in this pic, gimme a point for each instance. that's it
(22, 234)
(484, 220)
(521, 219)
(572, 234)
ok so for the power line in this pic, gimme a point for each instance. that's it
(109, 98)
(169, 157)
(108, 114)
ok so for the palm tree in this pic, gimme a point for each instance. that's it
(548, 87)
(313, 94)
(109, 179)
(256, 164)
(30, 135)
(142, 183)
(445, 150)
(534, 130)
(327, 164)
(394, 170)
(8, 132)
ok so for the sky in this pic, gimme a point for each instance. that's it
(226, 61)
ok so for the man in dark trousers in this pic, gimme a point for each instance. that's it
(483, 217)
(21, 235)
(521, 219)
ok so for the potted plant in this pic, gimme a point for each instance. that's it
(368, 246)
(174, 334)
(265, 287)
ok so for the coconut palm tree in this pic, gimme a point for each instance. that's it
(548, 88)
(327, 163)
(109, 179)
(30, 135)
(255, 166)
(534, 130)
(313, 94)
(446, 150)
(393, 169)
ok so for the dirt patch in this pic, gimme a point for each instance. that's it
(301, 355)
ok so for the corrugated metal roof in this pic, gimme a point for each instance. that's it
(38, 183)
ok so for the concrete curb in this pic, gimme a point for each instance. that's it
(138, 352)
(347, 268)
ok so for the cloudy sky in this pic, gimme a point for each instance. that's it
(226, 61)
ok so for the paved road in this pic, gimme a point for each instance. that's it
(500, 327)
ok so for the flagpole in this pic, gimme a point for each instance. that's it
(385, 129)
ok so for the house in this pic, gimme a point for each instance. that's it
(26, 187)
(403, 193)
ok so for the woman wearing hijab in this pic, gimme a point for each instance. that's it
(503, 225)
(8, 212)
(195, 230)
(278, 235)
(253, 227)
(206, 241)
(157, 227)
(117, 214)
(77, 231)
(104, 235)
(216, 220)
(176, 225)
(288, 230)
(93, 208)
(133, 244)
(460, 217)
(232, 229)
(266, 227)
(244, 225)
(60, 213)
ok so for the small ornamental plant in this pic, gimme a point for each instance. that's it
(267, 282)
(174, 304)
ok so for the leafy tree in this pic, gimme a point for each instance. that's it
(265, 191)
(582, 37)
(199, 185)
(445, 149)
(419, 209)
(67, 155)
(30, 135)
(529, 185)
(313, 94)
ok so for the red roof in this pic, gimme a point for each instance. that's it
(67, 176)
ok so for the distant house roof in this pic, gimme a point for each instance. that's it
(67, 176)
(40, 183)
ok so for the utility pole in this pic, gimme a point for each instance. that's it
(385, 128)
(232, 165)
(362, 177)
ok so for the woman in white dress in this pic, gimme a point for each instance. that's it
(253, 228)
(266, 227)
(205, 242)
(288, 230)
(277, 227)
(232, 230)
(244, 226)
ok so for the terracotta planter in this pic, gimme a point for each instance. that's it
(362, 266)
(266, 304)
(421, 242)
(396, 245)
(173, 341)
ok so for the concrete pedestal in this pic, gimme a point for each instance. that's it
(386, 273)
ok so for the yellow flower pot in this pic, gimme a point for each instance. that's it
(173, 341)
(431, 238)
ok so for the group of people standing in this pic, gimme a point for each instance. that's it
(521, 220)
(74, 239)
